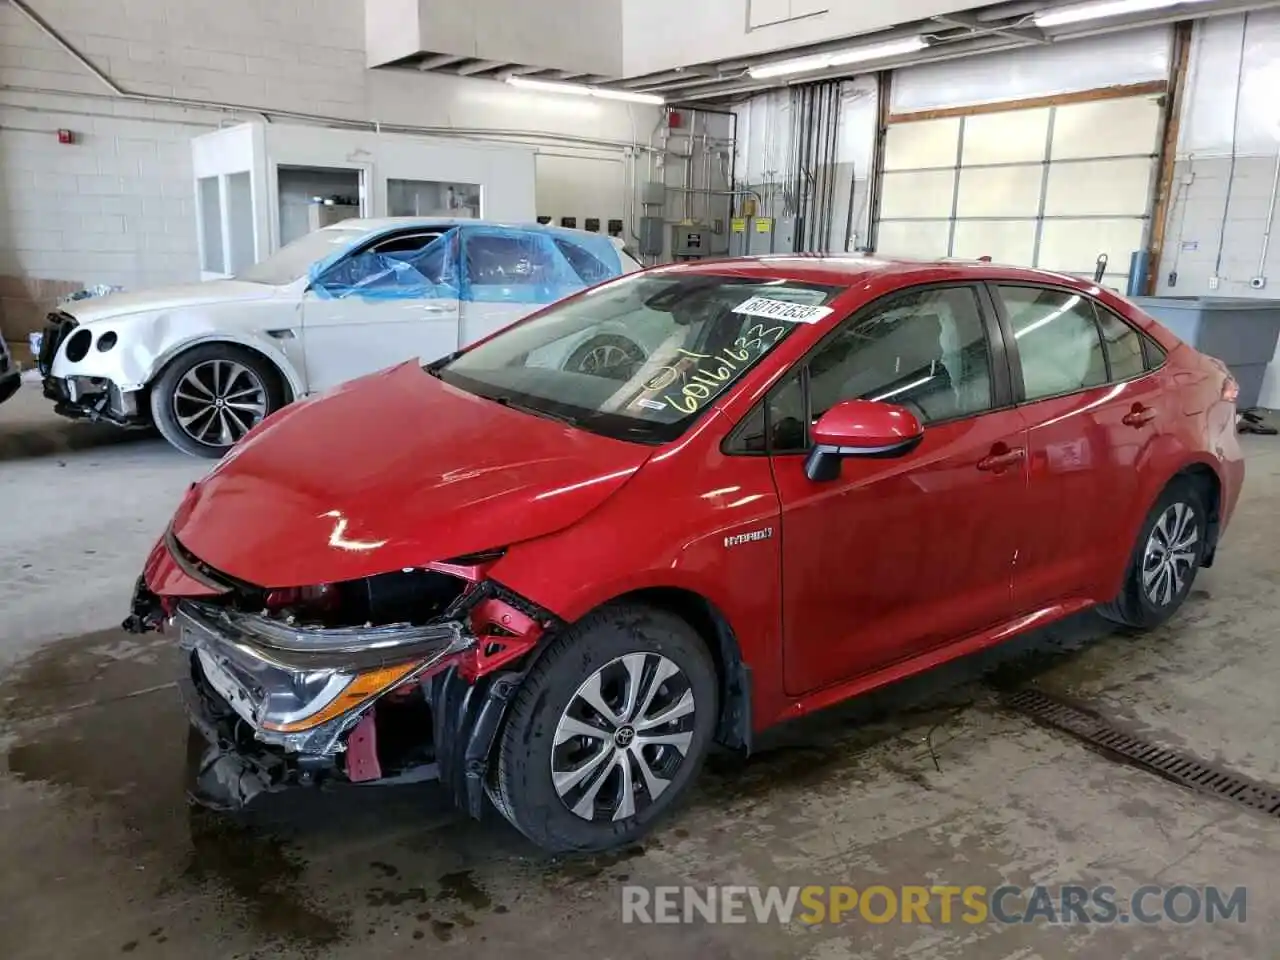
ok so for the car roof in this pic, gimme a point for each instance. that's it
(850, 269)
(375, 225)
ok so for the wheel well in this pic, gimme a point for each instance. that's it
(286, 390)
(734, 729)
(1210, 486)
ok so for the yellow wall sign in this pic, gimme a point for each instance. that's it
(764, 225)
(738, 225)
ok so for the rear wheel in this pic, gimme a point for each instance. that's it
(210, 396)
(608, 730)
(1165, 559)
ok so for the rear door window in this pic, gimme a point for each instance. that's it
(590, 268)
(1058, 345)
(1123, 345)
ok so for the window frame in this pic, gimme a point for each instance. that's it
(1014, 359)
(1002, 396)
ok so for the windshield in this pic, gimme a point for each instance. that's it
(293, 260)
(640, 358)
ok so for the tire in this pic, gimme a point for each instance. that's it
(607, 355)
(599, 658)
(1149, 596)
(250, 389)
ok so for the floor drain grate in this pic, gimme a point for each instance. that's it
(1179, 767)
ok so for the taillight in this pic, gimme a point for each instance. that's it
(1230, 390)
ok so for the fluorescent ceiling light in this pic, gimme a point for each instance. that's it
(581, 90)
(544, 86)
(879, 51)
(782, 68)
(630, 97)
(838, 58)
(1105, 8)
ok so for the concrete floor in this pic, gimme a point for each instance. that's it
(102, 856)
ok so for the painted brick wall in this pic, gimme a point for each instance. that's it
(117, 206)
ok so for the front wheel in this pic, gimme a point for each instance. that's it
(211, 396)
(1166, 558)
(608, 730)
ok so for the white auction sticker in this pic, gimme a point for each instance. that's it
(782, 310)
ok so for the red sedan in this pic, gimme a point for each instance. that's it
(786, 481)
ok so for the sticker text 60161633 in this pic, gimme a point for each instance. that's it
(782, 310)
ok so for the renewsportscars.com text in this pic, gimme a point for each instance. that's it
(936, 904)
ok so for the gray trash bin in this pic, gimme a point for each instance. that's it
(1240, 333)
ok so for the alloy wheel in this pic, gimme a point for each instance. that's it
(1170, 554)
(622, 738)
(218, 401)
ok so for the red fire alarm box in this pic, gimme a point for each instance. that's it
(674, 120)
(66, 136)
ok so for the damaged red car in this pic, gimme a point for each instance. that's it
(770, 485)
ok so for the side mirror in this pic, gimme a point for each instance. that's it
(860, 428)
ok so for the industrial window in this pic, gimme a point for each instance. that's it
(1124, 346)
(1059, 348)
(1051, 187)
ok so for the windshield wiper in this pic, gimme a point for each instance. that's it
(535, 411)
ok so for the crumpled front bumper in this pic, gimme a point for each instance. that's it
(93, 398)
(301, 689)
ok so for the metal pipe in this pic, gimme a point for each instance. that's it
(688, 167)
(1271, 215)
(57, 38)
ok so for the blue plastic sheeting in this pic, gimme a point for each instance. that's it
(474, 263)
(428, 273)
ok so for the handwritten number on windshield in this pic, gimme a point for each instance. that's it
(701, 375)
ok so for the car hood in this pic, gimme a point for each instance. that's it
(393, 470)
(115, 305)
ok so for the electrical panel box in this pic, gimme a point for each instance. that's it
(756, 236)
(653, 193)
(690, 241)
(651, 239)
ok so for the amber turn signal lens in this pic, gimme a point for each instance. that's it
(363, 687)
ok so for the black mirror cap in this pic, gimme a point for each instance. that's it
(823, 464)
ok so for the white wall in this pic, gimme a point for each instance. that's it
(118, 206)
(662, 34)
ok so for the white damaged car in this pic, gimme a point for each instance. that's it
(206, 362)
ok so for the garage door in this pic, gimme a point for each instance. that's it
(1051, 186)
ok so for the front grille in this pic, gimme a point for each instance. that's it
(56, 330)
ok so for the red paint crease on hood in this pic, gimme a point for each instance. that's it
(393, 470)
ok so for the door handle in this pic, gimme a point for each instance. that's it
(1000, 462)
(1139, 416)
